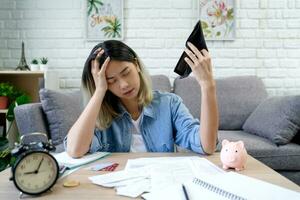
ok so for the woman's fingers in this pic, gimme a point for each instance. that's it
(189, 62)
(199, 61)
(192, 56)
(207, 58)
(99, 55)
(97, 50)
(205, 53)
(95, 62)
(94, 68)
(104, 66)
(195, 50)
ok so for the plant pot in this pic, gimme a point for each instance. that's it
(34, 67)
(3, 102)
(44, 67)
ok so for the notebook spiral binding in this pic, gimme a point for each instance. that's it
(217, 190)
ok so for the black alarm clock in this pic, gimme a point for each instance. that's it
(35, 170)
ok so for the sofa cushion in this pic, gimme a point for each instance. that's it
(62, 109)
(30, 118)
(161, 83)
(277, 119)
(237, 98)
(285, 157)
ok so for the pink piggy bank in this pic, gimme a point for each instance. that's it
(233, 155)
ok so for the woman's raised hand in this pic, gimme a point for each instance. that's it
(200, 63)
(99, 74)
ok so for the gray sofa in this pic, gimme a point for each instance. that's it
(238, 98)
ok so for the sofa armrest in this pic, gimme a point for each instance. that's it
(31, 118)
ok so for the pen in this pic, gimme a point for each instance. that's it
(185, 193)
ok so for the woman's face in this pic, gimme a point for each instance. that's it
(123, 79)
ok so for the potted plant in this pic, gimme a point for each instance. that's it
(5, 156)
(34, 65)
(6, 91)
(17, 97)
(44, 64)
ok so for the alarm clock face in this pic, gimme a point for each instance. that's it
(35, 173)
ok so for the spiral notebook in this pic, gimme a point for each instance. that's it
(212, 191)
(230, 186)
(235, 186)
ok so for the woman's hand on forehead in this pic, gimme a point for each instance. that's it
(99, 72)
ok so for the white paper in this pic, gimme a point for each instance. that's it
(134, 190)
(166, 175)
(115, 177)
(152, 174)
(64, 159)
(173, 192)
(195, 192)
(242, 186)
(167, 171)
(202, 166)
(143, 162)
(251, 188)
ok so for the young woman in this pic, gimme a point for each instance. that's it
(123, 114)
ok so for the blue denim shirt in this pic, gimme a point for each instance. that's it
(164, 122)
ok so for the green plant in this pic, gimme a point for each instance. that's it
(5, 157)
(7, 90)
(113, 28)
(44, 60)
(17, 97)
(34, 61)
(22, 99)
(94, 4)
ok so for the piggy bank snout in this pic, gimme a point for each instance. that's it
(231, 156)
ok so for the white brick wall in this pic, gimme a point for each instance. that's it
(267, 40)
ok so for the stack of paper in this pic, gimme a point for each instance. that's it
(127, 183)
(152, 174)
(71, 163)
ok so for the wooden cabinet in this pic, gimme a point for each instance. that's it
(28, 81)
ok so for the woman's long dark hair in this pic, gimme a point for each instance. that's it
(117, 51)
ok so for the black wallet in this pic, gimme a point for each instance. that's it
(197, 39)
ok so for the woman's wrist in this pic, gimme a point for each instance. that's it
(208, 85)
(100, 93)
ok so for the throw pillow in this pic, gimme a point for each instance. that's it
(277, 118)
(62, 109)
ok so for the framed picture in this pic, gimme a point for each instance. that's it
(217, 19)
(104, 19)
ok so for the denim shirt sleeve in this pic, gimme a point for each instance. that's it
(186, 126)
(96, 144)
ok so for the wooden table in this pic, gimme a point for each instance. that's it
(87, 190)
